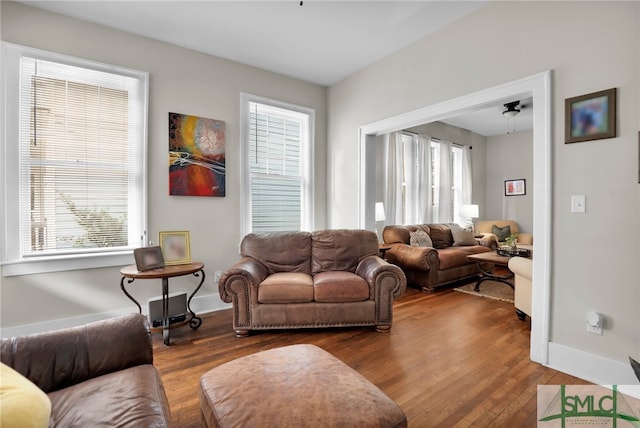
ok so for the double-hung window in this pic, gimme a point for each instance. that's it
(277, 169)
(75, 151)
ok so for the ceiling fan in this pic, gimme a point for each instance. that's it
(512, 108)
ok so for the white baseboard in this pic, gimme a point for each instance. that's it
(199, 304)
(590, 367)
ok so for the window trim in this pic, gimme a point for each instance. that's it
(12, 262)
(308, 195)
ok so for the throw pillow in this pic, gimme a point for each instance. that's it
(502, 233)
(462, 236)
(440, 235)
(22, 404)
(420, 238)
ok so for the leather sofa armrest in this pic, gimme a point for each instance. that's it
(488, 240)
(378, 272)
(61, 358)
(244, 276)
(414, 258)
(489, 236)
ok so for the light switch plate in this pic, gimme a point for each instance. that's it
(578, 204)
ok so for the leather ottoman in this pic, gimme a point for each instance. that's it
(293, 386)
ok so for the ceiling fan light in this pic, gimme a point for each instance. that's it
(511, 109)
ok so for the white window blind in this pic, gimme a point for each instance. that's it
(80, 160)
(277, 147)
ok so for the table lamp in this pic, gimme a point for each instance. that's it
(469, 212)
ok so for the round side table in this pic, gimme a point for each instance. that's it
(131, 273)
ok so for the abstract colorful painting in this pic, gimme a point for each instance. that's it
(196, 156)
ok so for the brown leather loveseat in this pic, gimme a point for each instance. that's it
(97, 375)
(440, 262)
(327, 278)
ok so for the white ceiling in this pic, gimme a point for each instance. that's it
(321, 41)
(490, 121)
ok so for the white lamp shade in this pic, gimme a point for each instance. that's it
(469, 211)
(380, 216)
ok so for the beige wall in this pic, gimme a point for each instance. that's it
(589, 46)
(509, 157)
(182, 81)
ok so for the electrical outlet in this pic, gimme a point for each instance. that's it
(594, 329)
(216, 278)
(594, 323)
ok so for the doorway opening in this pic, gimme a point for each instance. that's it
(538, 87)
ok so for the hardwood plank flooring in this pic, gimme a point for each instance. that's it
(451, 359)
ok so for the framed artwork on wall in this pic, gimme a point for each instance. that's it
(176, 247)
(515, 187)
(590, 117)
(197, 160)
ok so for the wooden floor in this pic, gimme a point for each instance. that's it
(451, 359)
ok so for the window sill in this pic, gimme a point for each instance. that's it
(66, 263)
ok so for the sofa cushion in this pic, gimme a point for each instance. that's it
(502, 233)
(286, 287)
(440, 235)
(22, 404)
(420, 238)
(128, 398)
(279, 251)
(339, 287)
(462, 237)
(452, 257)
(341, 249)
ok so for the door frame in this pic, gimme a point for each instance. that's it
(537, 86)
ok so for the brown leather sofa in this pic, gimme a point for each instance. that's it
(429, 267)
(99, 374)
(327, 278)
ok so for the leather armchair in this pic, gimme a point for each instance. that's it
(328, 278)
(99, 374)
(522, 270)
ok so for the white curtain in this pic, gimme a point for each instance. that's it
(444, 212)
(410, 178)
(423, 196)
(392, 195)
(467, 179)
(411, 163)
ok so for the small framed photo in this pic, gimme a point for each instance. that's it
(590, 117)
(148, 258)
(176, 247)
(515, 187)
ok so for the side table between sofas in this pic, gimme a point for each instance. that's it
(196, 268)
